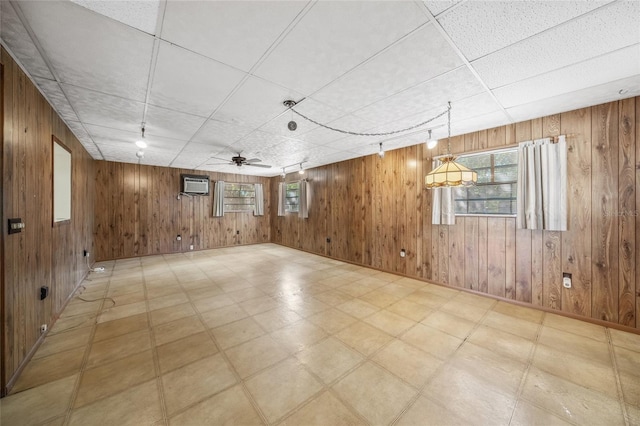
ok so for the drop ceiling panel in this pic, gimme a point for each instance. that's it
(91, 51)
(57, 98)
(255, 143)
(419, 57)
(142, 15)
(479, 28)
(171, 124)
(255, 103)
(216, 132)
(105, 110)
(582, 98)
(334, 37)
(437, 7)
(16, 38)
(607, 29)
(235, 33)
(614, 66)
(188, 82)
(431, 95)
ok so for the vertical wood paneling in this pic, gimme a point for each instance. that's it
(604, 212)
(626, 213)
(471, 248)
(41, 254)
(637, 211)
(483, 253)
(576, 243)
(138, 213)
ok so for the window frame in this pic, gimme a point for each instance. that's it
(513, 198)
(240, 189)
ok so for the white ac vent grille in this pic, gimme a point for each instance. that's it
(196, 186)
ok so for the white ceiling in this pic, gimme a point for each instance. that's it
(208, 78)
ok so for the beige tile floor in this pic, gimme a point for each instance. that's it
(269, 335)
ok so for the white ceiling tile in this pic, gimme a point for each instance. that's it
(609, 28)
(334, 37)
(419, 57)
(481, 27)
(113, 139)
(255, 144)
(579, 99)
(610, 67)
(216, 132)
(255, 103)
(142, 15)
(431, 95)
(105, 110)
(437, 7)
(235, 33)
(486, 121)
(171, 124)
(15, 37)
(188, 82)
(92, 51)
(57, 98)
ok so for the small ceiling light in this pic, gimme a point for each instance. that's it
(140, 154)
(140, 143)
(381, 151)
(283, 174)
(301, 171)
(431, 143)
(450, 173)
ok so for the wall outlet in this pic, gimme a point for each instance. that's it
(566, 280)
(328, 239)
(85, 253)
(237, 232)
(179, 237)
(191, 247)
(403, 253)
(43, 328)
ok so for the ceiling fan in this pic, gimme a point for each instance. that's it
(240, 161)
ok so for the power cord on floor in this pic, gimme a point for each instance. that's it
(98, 269)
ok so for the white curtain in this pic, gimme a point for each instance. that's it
(259, 209)
(218, 199)
(542, 185)
(443, 210)
(303, 208)
(281, 199)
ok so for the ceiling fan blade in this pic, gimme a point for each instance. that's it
(258, 165)
(219, 164)
(218, 158)
(253, 160)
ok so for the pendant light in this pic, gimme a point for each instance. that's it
(450, 173)
(381, 151)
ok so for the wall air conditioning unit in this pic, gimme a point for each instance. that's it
(195, 184)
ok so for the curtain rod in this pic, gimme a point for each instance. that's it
(554, 139)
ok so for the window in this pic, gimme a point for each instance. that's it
(239, 197)
(495, 191)
(292, 197)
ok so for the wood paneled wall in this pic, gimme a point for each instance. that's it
(371, 208)
(41, 255)
(138, 213)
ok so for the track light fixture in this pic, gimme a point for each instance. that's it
(301, 171)
(141, 143)
(283, 174)
(431, 143)
(381, 151)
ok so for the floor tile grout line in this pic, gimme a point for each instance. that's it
(616, 372)
(85, 360)
(445, 363)
(239, 380)
(154, 349)
(529, 364)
